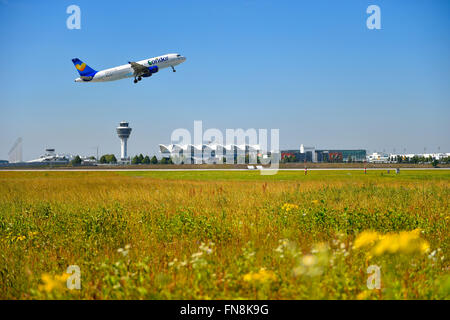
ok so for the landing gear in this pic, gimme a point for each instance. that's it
(173, 69)
(139, 78)
(135, 80)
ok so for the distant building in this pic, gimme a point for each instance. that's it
(337, 155)
(378, 157)
(4, 161)
(311, 154)
(210, 153)
(50, 157)
(288, 155)
(88, 161)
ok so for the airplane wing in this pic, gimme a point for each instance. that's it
(138, 68)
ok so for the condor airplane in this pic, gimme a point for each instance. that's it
(138, 70)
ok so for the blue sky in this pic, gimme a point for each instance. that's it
(310, 68)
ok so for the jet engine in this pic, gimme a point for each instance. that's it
(152, 70)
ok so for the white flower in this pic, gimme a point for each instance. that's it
(197, 255)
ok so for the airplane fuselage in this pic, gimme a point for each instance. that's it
(126, 70)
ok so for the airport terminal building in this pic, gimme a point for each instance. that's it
(311, 154)
(211, 153)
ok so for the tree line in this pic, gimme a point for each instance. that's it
(420, 159)
(137, 159)
(140, 159)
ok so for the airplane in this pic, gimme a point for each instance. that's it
(138, 70)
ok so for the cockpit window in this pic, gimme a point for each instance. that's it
(178, 55)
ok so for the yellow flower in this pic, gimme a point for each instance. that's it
(288, 207)
(407, 242)
(365, 238)
(52, 283)
(315, 201)
(425, 247)
(18, 238)
(261, 276)
(363, 295)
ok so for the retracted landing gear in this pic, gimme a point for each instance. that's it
(173, 69)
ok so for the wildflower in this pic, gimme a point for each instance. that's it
(315, 201)
(286, 248)
(197, 259)
(313, 264)
(365, 238)
(309, 260)
(197, 255)
(206, 248)
(124, 251)
(363, 295)
(53, 283)
(262, 276)
(425, 247)
(289, 207)
(283, 244)
(431, 255)
(404, 242)
(18, 238)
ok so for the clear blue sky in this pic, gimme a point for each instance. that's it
(310, 68)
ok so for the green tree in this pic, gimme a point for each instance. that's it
(76, 161)
(108, 158)
(435, 163)
(135, 160)
(146, 160)
(154, 160)
(141, 158)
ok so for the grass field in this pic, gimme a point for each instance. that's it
(225, 235)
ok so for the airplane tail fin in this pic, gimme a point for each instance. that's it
(83, 69)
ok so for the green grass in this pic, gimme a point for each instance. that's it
(149, 235)
(285, 175)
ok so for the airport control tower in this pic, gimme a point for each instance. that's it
(124, 133)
